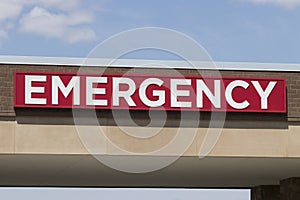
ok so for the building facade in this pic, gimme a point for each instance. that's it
(259, 150)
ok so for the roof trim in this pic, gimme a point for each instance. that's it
(69, 61)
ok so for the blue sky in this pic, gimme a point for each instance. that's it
(230, 30)
(118, 194)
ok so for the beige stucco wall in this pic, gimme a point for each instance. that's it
(64, 139)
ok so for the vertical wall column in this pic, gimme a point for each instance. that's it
(290, 189)
(266, 192)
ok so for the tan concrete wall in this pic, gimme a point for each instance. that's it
(64, 139)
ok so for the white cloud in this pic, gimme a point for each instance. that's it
(68, 5)
(68, 27)
(66, 20)
(9, 9)
(282, 3)
(80, 35)
(3, 36)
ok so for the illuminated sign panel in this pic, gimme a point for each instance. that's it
(144, 92)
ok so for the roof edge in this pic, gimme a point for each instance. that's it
(176, 64)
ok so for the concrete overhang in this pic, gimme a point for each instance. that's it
(186, 172)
